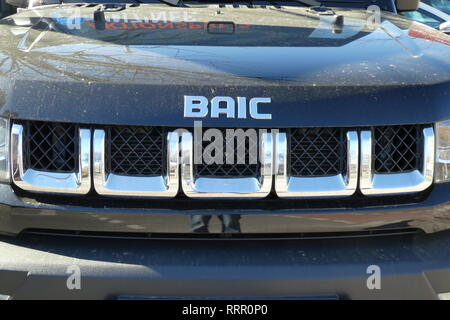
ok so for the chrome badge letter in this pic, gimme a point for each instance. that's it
(199, 107)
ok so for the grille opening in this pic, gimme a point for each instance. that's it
(136, 151)
(316, 152)
(51, 147)
(246, 162)
(222, 235)
(398, 149)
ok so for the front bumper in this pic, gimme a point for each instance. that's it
(429, 212)
(412, 267)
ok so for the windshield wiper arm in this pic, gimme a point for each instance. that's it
(99, 14)
(309, 3)
(175, 3)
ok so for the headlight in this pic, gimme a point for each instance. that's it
(442, 151)
(4, 150)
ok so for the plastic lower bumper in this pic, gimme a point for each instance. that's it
(412, 267)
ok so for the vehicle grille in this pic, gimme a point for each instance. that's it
(51, 146)
(397, 148)
(316, 152)
(246, 163)
(141, 151)
(135, 151)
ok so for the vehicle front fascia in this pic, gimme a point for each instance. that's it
(93, 98)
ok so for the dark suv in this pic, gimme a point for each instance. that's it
(214, 149)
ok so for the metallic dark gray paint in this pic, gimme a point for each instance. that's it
(314, 77)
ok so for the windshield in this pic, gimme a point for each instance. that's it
(383, 4)
(424, 17)
(193, 26)
(443, 5)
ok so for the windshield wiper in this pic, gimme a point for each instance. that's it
(309, 3)
(175, 3)
(99, 14)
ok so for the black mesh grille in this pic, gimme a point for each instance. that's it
(51, 146)
(245, 162)
(136, 151)
(317, 152)
(397, 148)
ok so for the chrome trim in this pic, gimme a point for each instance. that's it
(395, 183)
(220, 188)
(51, 182)
(108, 184)
(6, 146)
(310, 187)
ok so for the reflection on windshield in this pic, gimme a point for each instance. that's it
(422, 17)
(443, 5)
(131, 27)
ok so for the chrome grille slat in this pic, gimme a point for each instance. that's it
(78, 182)
(227, 187)
(342, 183)
(164, 185)
(372, 183)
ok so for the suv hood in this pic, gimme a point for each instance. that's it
(57, 63)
